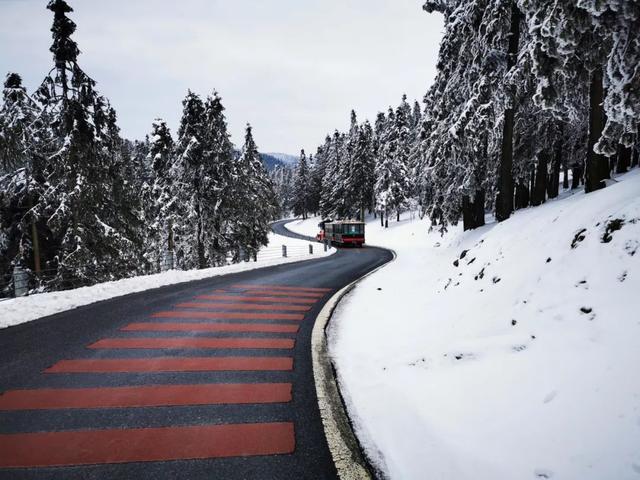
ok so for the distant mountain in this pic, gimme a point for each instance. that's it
(285, 158)
(273, 160)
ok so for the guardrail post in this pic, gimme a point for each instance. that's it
(20, 282)
(168, 263)
(310, 249)
(284, 251)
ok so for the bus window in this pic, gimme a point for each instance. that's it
(354, 229)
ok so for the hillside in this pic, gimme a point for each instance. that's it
(506, 352)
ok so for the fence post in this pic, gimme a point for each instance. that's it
(310, 249)
(284, 251)
(20, 282)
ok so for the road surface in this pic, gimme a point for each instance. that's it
(206, 380)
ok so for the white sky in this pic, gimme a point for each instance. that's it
(292, 68)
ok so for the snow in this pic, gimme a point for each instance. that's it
(528, 372)
(308, 227)
(24, 309)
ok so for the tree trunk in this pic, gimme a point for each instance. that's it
(532, 183)
(612, 162)
(36, 247)
(200, 245)
(473, 211)
(397, 216)
(597, 166)
(362, 213)
(576, 171)
(382, 219)
(565, 176)
(538, 195)
(522, 195)
(624, 159)
(504, 199)
(35, 241)
(554, 183)
(636, 157)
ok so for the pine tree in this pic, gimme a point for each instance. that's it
(362, 179)
(505, 194)
(391, 171)
(257, 204)
(21, 178)
(331, 173)
(162, 207)
(87, 242)
(591, 44)
(301, 193)
(188, 176)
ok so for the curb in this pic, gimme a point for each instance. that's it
(344, 446)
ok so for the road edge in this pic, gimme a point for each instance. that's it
(347, 454)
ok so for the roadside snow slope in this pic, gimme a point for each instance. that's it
(20, 310)
(522, 362)
(308, 227)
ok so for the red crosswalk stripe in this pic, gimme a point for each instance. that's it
(229, 315)
(145, 396)
(251, 286)
(280, 293)
(243, 306)
(210, 327)
(88, 447)
(257, 299)
(194, 343)
(172, 364)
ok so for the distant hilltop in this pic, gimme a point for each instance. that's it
(273, 160)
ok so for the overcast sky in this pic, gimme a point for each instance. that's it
(292, 68)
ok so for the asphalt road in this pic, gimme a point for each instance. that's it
(90, 412)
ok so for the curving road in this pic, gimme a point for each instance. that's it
(205, 380)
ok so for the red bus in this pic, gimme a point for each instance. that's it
(343, 233)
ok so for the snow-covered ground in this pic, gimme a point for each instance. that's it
(20, 310)
(307, 227)
(510, 352)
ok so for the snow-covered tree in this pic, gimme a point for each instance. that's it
(21, 178)
(301, 192)
(392, 184)
(88, 201)
(256, 205)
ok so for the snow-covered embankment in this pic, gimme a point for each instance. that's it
(20, 310)
(509, 352)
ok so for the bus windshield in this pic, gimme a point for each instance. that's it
(353, 229)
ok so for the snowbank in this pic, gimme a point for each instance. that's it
(519, 361)
(308, 227)
(20, 310)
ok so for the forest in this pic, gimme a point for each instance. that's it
(80, 205)
(531, 98)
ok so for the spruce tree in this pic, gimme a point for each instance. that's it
(88, 203)
(22, 178)
(162, 207)
(188, 172)
(302, 188)
(257, 204)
